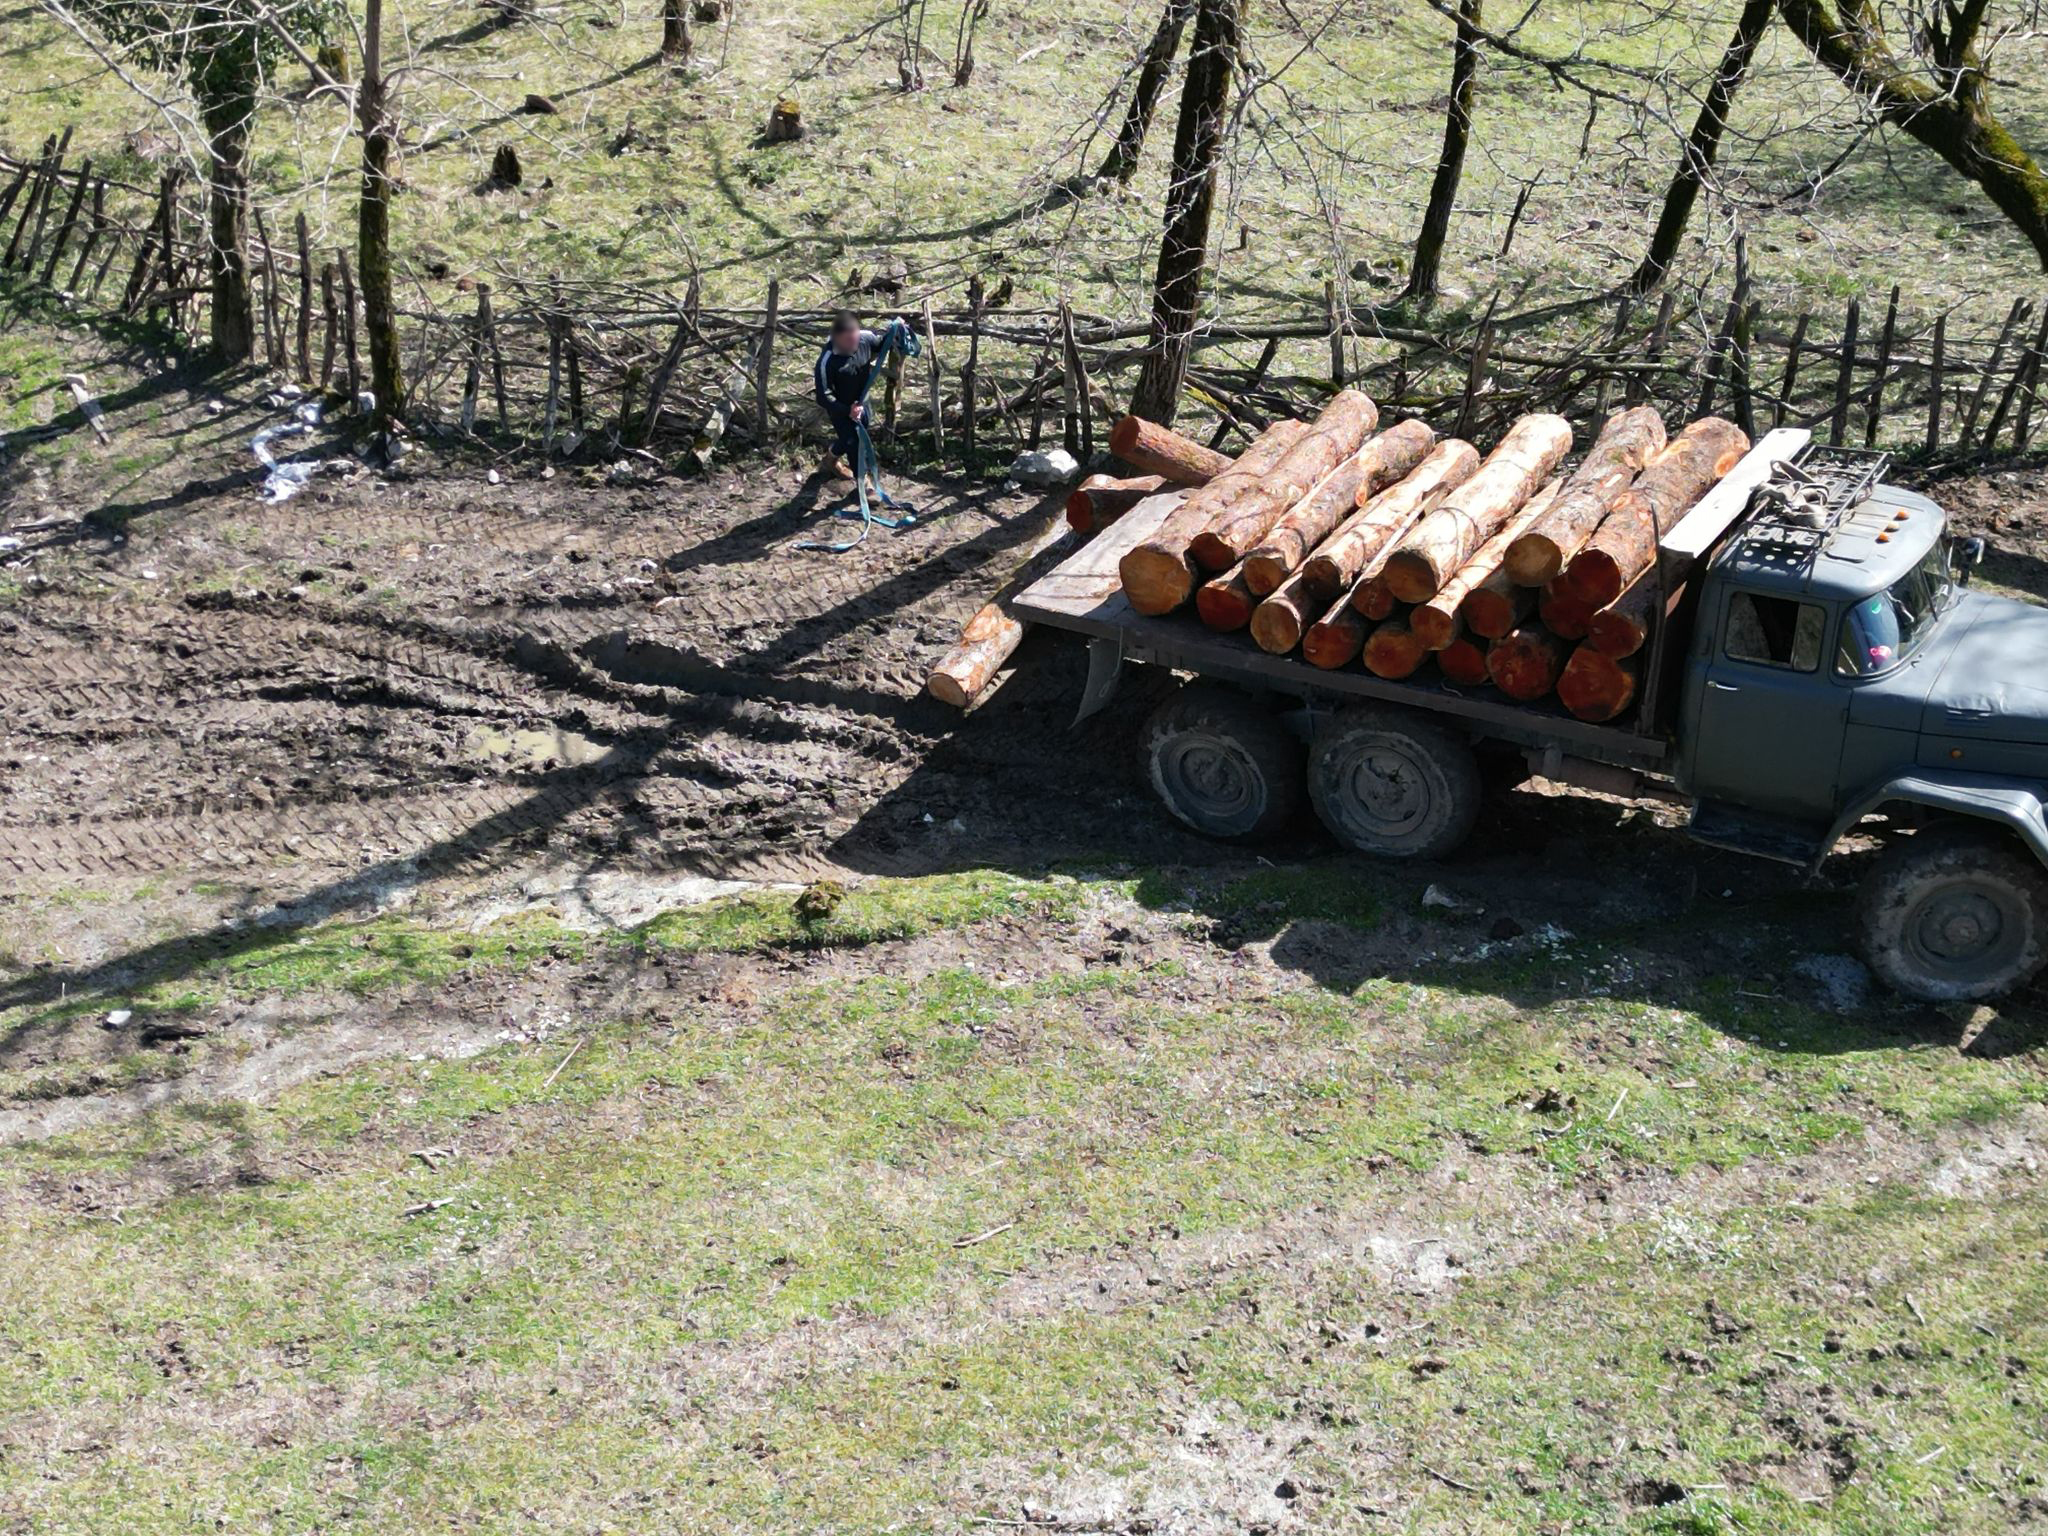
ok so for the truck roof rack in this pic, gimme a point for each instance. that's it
(1798, 509)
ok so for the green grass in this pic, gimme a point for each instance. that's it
(889, 1248)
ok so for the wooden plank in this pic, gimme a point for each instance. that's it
(1087, 581)
(1696, 532)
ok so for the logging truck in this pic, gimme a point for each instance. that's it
(1814, 662)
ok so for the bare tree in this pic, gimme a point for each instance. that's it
(1122, 159)
(1423, 276)
(1702, 145)
(675, 31)
(1198, 145)
(373, 224)
(1943, 100)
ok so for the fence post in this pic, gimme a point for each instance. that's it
(1481, 349)
(764, 360)
(2012, 321)
(1791, 378)
(1744, 353)
(931, 354)
(657, 386)
(1884, 363)
(327, 305)
(305, 337)
(95, 228)
(348, 329)
(13, 191)
(1936, 382)
(1077, 372)
(70, 223)
(2012, 388)
(969, 375)
(273, 328)
(1639, 378)
(473, 376)
(2023, 428)
(38, 193)
(554, 400)
(1838, 427)
(1624, 307)
(1336, 325)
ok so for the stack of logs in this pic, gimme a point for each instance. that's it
(1393, 548)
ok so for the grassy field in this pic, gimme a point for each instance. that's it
(642, 172)
(891, 1220)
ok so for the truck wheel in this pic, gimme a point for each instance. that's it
(1223, 763)
(1954, 914)
(1387, 782)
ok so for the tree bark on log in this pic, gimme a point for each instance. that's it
(992, 633)
(1524, 663)
(1224, 602)
(1625, 544)
(1563, 611)
(1380, 521)
(1463, 661)
(1435, 547)
(1158, 574)
(1336, 434)
(1279, 622)
(1393, 652)
(1155, 450)
(1336, 638)
(1100, 500)
(1629, 441)
(1596, 687)
(1436, 621)
(1382, 460)
(1623, 627)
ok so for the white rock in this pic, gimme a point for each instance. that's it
(119, 1017)
(1448, 901)
(1055, 467)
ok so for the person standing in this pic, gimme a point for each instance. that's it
(840, 381)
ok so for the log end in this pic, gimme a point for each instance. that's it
(1392, 652)
(1265, 569)
(1123, 437)
(1156, 580)
(1433, 627)
(1225, 604)
(1524, 665)
(1276, 628)
(947, 689)
(1595, 578)
(1333, 643)
(1210, 553)
(1595, 687)
(1463, 661)
(1410, 577)
(1532, 560)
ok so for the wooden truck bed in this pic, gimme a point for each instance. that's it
(1084, 594)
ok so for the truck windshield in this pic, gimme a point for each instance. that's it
(1882, 630)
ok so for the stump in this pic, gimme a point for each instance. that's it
(785, 122)
(505, 168)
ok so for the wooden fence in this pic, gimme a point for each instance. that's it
(605, 369)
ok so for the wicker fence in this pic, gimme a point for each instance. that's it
(603, 369)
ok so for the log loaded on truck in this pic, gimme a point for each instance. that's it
(1770, 634)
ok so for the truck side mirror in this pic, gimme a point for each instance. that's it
(1973, 551)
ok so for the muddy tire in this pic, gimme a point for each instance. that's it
(1955, 913)
(1393, 784)
(1223, 763)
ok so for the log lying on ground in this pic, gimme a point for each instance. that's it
(1224, 602)
(1393, 652)
(1101, 499)
(1336, 638)
(1596, 687)
(1158, 574)
(1623, 627)
(1380, 521)
(1626, 444)
(1436, 622)
(1155, 450)
(1625, 545)
(1564, 612)
(1337, 433)
(1279, 622)
(1525, 662)
(1463, 661)
(1444, 540)
(989, 637)
(1391, 456)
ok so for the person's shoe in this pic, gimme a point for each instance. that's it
(835, 468)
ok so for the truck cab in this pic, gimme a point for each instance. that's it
(1840, 667)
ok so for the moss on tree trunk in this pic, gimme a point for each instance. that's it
(232, 312)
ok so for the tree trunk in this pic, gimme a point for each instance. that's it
(1626, 544)
(1122, 158)
(1190, 199)
(1470, 515)
(1630, 440)
(1377, 526)
(1450, 165)
(1158, 574)
(228, 119)
(373, 227)
(1100, 500)
(1383, 460)
(1951, 116)
(1155, 450)
(1704, 143)
(1436, 622)
(1339, 431)
(675, 30)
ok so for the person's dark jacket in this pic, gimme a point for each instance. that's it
(840, 377)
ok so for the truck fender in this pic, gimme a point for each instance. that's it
(2012, 803)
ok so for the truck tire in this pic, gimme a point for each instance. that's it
(1956, 913)
(1223, 763)
(1391, 783)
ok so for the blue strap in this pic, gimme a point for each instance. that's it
(867, 466)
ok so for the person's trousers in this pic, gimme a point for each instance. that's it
(845, 434)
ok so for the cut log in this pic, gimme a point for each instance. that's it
(992, 634)
(1155, 450)
(1338, 432)
(1496, 606)
(1391, 456)
(1372, 597)
(1392, 651)
(1336, 638)
(1624, 545)
(1623, 627)
(1158, 574)
(1380, 520)
(1463, 661)
(1278, 622)
(1101, 499)
(1435, 547)
(1225, 602)
(1525, 662)
(1437, 621)
(1595, 686)
(1564, 612)
(1626, 444)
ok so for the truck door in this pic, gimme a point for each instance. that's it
(1767, 735)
